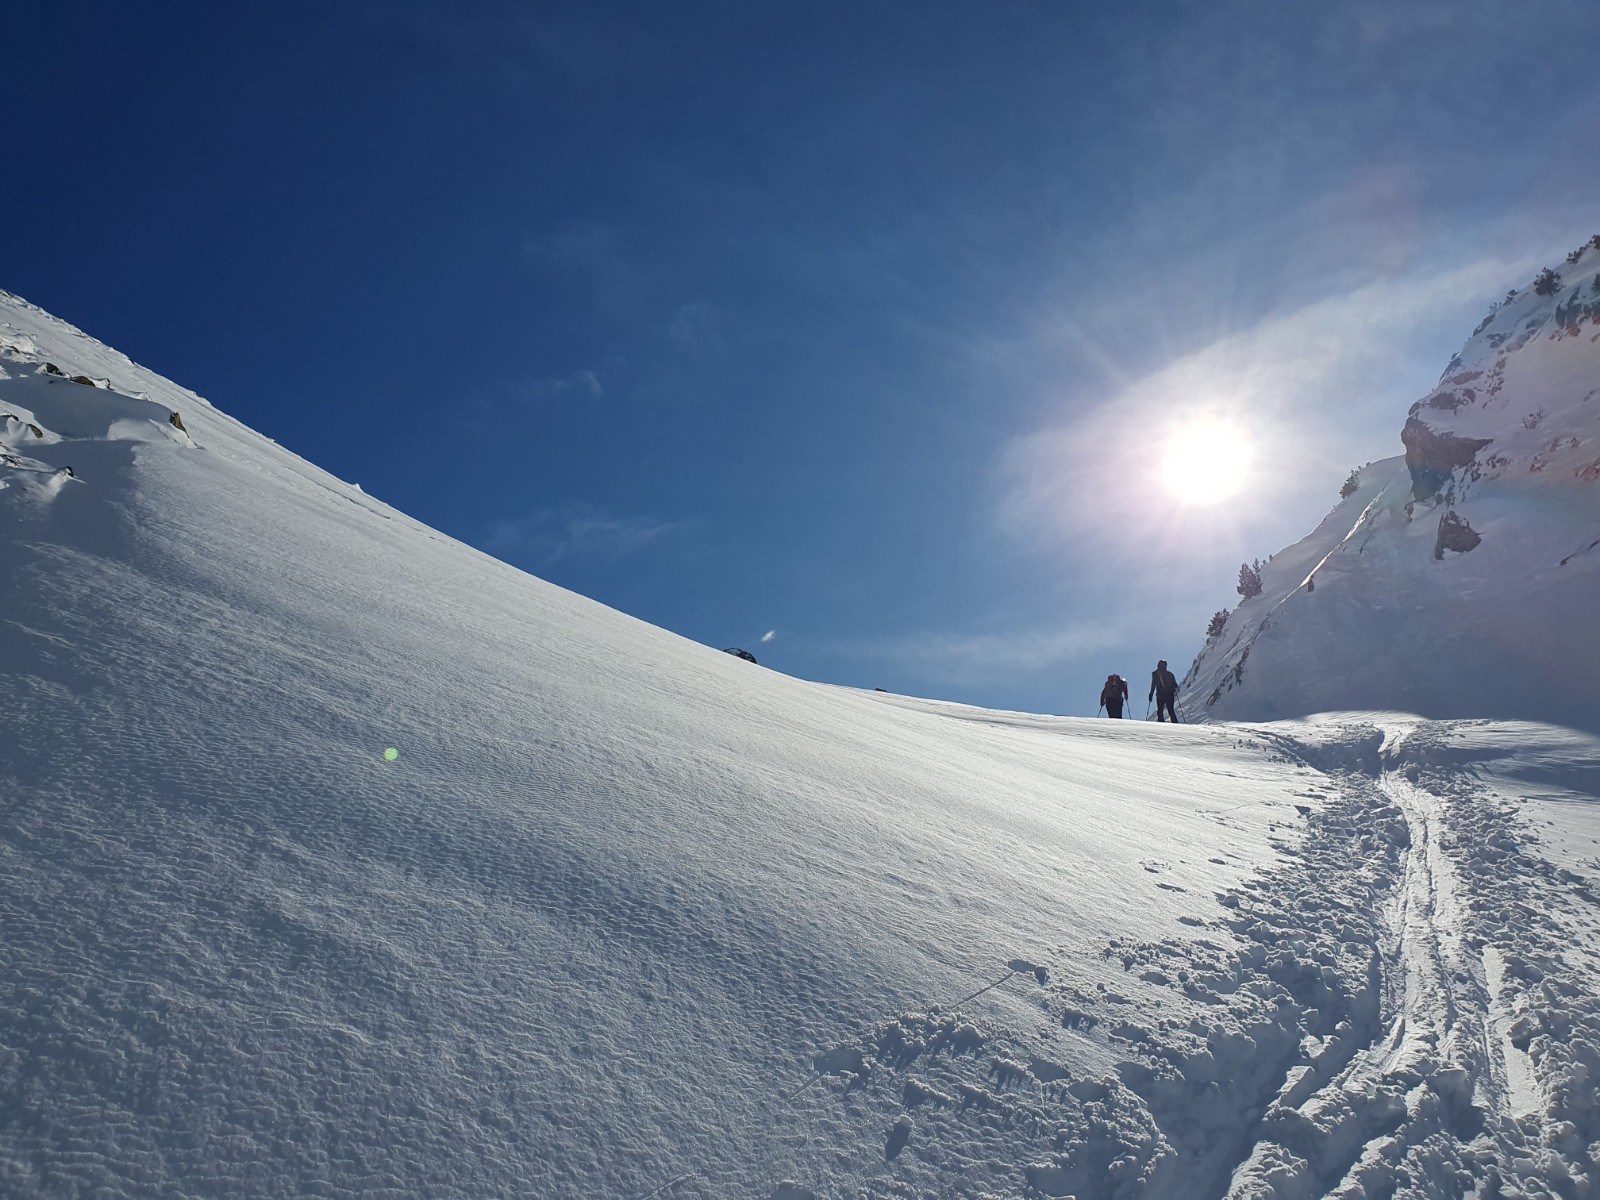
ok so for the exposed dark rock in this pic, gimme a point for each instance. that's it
(85, 380)
(738, 653)
(1449, 401)
(1432, 456)
(177, 422)
(1455, 534)
(55, 370)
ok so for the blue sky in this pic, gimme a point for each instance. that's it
(863, 324)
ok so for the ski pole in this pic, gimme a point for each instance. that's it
(1147, 708)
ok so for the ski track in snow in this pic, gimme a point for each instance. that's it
(1370, 1040)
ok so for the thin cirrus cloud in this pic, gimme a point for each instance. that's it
(593, 257)
(581, 385)
(578, 532)
(959, 658)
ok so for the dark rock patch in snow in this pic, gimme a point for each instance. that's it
(1455, 534)
(1432, 456)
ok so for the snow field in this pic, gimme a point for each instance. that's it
(628, 917)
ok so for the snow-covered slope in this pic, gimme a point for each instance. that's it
(626, 916)
(1462, 579)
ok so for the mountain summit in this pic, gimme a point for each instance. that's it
(1462, 578)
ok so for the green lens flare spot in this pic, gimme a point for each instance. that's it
(391, 754)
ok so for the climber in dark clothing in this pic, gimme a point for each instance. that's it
(1113, 695)
(1164, 690)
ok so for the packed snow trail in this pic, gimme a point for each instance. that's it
(1443, 1100)
(627, 917)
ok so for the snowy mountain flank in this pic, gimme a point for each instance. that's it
(1462, 578)
(340, 859)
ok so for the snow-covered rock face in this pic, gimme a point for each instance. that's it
(1464, 578)
(1521, 396)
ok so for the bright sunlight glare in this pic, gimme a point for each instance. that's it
(1206, 462)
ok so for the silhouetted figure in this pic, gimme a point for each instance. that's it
(1114, 695)
(1164, 690)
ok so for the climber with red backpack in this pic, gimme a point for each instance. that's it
(1114, 695)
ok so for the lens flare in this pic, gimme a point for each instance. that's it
(391, 754)
(1206, 462)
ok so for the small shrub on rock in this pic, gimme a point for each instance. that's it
(1548, 283)
(1350, 486)
(1219, 621)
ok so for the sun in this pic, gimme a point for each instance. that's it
(1206, 462)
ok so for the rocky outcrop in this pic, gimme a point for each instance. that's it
(1432, 457)
(1455, 534)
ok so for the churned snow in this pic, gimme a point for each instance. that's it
(626, 916)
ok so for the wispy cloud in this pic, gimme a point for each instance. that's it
(593, 256)
(577, 531)
(769, 635)
(581, 385)
(696, 329)
(964, 658)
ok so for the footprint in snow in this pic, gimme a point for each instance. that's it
(841, 1060)
(899, 1135)
(1023, 967)
(1047, 1072)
